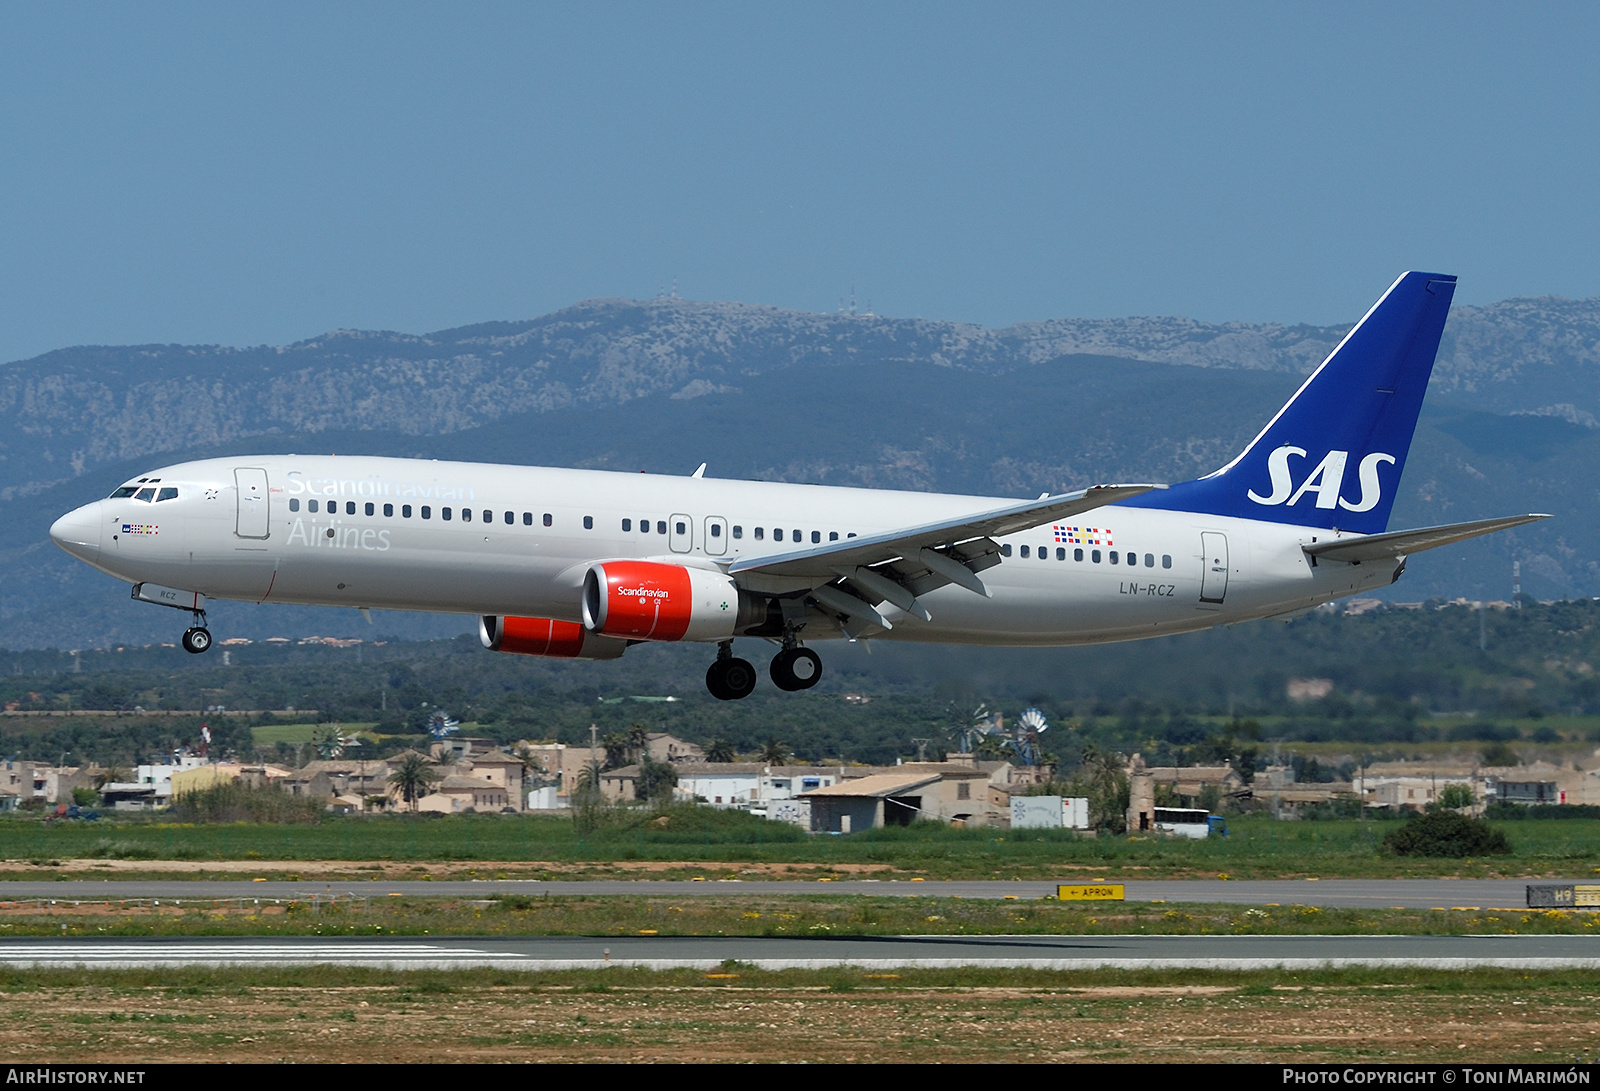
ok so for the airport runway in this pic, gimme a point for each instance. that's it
(1346, 893)
(782, 953)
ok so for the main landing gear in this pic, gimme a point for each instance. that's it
(730, 678)
(197, 639)
(794, 668)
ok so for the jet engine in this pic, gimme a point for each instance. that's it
(647, 600)
(542, 636)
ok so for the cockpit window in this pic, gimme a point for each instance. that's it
(167, 494)
(124, 492)
(147, 495)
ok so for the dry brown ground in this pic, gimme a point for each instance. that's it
(411, 869)
(724, 1022)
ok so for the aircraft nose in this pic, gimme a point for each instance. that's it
(78, 532)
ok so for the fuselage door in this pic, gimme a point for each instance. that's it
(255, 515)
(716, 539)
(680, 533)
(1214, 570)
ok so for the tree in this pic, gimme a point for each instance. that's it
(616, 747)
(1455, 797)
(720, 749)
(412, 778)
(638, 738)
(1446, 833)
(1500, 754)
(775, 752)
(656, 781)
(1108, 788)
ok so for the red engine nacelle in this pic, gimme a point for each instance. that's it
(542, 636)
(646, 600)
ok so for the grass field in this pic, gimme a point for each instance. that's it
(748, 915)
(739, 1015)
(710, 842)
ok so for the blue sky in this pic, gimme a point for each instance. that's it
(260, 173)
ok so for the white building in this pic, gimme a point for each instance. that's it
(160, 776)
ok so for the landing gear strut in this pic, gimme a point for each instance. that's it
(729, 678)
(197, 638)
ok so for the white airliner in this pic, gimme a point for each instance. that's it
(579, 563)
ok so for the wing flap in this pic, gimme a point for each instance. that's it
(1402, 543)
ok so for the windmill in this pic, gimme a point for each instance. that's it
(440, 724)
(1030, 725)
(982, 723)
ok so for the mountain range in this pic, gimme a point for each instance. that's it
(1512, 424)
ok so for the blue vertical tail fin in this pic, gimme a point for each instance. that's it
(1333, 456)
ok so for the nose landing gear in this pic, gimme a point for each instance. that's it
(197, 638)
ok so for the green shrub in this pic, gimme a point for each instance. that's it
(234, 801)
(1446, 833)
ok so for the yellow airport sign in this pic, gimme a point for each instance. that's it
(1091, 892)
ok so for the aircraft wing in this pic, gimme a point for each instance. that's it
(1401, 543)
(899, 565)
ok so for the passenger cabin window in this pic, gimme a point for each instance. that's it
(511, 518)
(311, 506)
(1024, 551)
(427, 512)
(466, 515)
(349, 507)
(816, 536)
(833, 535)
(588, 522)
(738, 531)
(527, 518)
(1077, 554)
(444, 513)
(1166, 560)
(761, 532)
(1113, 556)
(716, 530)
(1005, 550)
(1149, 560)
(644, 526)
(388, 511)
(1061, 553)
(294, 504)
(488, 516)
(371, 509)
(548, 521)
(1094, 555)
(777, 534)
(405, 511)
(661, 526)
(797, 535)
(627, 525)
(679, 527)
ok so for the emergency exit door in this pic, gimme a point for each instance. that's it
(1214, 570)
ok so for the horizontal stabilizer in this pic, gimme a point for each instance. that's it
(1402, 543)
